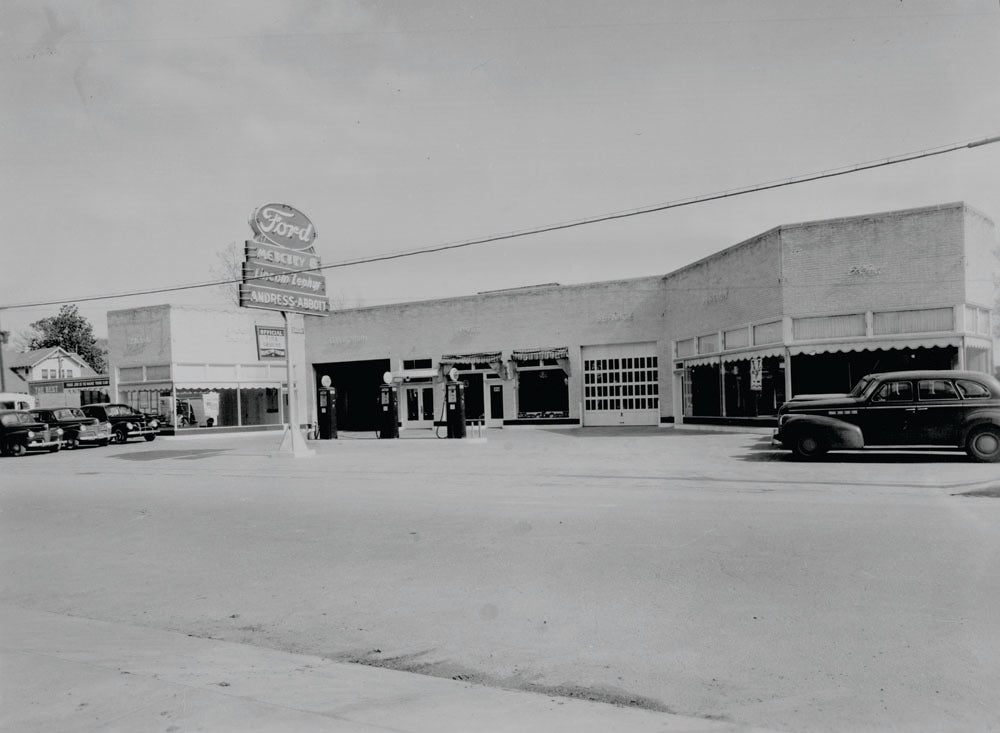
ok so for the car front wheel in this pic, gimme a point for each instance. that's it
(983, 444)
(121, 436)
(149, 438)
(808, 445)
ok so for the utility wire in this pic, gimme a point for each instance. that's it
(895, 160)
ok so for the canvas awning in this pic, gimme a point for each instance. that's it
(559, 353)
(700, 361)
(745, 355)
(209, 386)
(873, 345)
(552, 352)
(493, 358)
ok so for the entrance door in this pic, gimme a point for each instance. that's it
(621, 384)
(418, 406)
(475, 404)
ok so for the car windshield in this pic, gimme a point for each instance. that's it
(862, 388)
(9, 418)
(68, 413)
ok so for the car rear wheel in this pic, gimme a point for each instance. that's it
(983, 444)
(808, 445)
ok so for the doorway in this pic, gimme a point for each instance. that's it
(418, 406)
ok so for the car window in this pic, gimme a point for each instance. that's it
(972, 390)
(8, 419)
(894, 392)
(114, 411)
(68, 413)
(936, 389)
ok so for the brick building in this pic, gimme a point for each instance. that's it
(802, 308)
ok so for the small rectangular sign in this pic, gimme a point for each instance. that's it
(82, 383)
(270, 342)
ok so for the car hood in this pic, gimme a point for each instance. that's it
(820, 396)
(822, 403)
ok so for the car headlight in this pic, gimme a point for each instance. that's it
(31, 434)
(106, 425)
(154, 423)
(128, 426)
(59, 431)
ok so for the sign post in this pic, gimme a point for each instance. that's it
(282, 273)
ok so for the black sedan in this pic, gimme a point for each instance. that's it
(78, 428)
(20, 432)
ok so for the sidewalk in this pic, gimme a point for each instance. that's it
(62, 673)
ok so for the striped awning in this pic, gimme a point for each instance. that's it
(552, 352)
(477, 357)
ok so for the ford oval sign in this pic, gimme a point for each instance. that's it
(283, 225)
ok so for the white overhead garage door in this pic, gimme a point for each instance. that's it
(621, 384)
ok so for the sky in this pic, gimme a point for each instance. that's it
(136, 138)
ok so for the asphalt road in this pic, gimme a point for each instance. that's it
(701, 573)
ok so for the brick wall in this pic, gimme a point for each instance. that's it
(735, 287)
(887, 261)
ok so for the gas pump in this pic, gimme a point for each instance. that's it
(388, 414)
(454, 405)
(327, 404)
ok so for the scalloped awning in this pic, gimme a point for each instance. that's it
(879, 345)
(551, 352)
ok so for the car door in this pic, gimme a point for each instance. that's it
(887, 417)
(937, 413)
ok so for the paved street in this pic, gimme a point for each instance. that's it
(691, 572)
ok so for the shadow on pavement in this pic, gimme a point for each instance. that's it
(191, 454)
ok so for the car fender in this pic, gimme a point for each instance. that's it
(836, 433)
(985, 416)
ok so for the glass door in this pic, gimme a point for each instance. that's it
(418, 406)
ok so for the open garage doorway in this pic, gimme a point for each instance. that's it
(357, 384)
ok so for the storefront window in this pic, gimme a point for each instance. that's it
(542, 390)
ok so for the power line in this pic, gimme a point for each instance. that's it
(806, 178)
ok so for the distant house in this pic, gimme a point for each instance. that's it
(52, 362)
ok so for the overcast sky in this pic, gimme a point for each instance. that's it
(137, 137)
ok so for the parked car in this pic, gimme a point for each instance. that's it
(20, 432)
(944, 409)
(77, 427)
(125, 422)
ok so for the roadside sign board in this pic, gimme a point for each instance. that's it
(281, 271)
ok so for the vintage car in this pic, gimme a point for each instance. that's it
(78, 428)
(20, 432)
(939, 408)
(125, 422)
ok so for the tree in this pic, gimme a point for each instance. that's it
(72, 332)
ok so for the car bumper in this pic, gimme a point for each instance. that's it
(136, 432)
(43, 443)
(95, 436)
